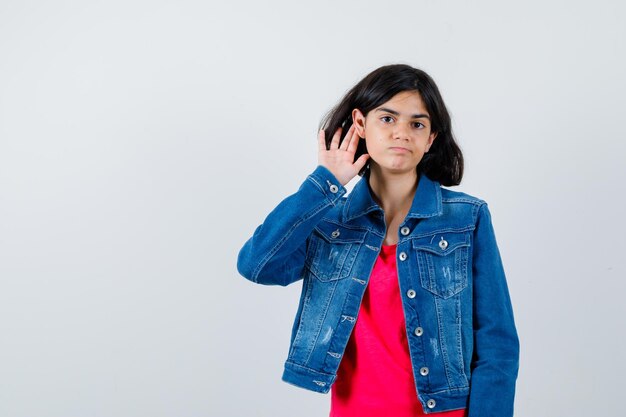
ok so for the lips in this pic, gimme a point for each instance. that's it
(399, 149)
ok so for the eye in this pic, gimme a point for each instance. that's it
(418, 125)
(387, 119)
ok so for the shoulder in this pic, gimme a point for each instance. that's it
(458, 203)
(451, 197)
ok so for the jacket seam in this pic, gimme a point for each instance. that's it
(306, 368)
(476, 211)
(321, 322)
(445, 230)
(475, 201)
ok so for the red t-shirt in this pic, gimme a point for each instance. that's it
(375, 376)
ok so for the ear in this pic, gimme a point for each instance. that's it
(358, 119)
(431, 139)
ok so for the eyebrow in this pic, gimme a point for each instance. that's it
(395, 113)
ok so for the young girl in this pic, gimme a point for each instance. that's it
(405, 309)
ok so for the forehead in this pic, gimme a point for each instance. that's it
(406, 102)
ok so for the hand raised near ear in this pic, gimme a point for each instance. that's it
(339, 159)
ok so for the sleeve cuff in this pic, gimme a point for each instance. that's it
(327, 183)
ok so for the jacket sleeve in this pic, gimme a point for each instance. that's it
(276, 252)
(495, 360)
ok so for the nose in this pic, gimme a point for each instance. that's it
(401, 131)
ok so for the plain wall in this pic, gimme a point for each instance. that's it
(141, 142)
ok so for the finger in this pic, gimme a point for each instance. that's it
(360, 163)
(346, 140)
(334, 143)
(321, 140)
(354, 141)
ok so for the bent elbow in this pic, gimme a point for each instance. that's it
(245, 264)
(268, 274)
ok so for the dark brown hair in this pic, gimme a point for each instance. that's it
(444, 160)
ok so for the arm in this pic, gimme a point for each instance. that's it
(496, 345)
(275, 254)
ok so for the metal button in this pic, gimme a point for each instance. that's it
(402, 256)
(410, 293)
(443, 244)
(333, 188)
(431, 403)
(335, 233)
(405, 231)
(419, 331)
(424, 371)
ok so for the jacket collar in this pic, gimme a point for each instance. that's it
(426, 202)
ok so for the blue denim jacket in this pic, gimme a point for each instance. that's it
(459, 320)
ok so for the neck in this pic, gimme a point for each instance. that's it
(394, 192)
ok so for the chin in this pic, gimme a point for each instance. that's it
(406, 169)
(396, 169)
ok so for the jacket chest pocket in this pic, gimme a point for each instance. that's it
(442, 260)
(332, 251)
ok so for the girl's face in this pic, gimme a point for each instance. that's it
(397, 133)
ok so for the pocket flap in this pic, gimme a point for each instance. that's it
(442, 243)
(334, 233)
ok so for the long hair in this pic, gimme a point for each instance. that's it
(444, 160)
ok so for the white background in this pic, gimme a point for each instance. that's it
(141, 142)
